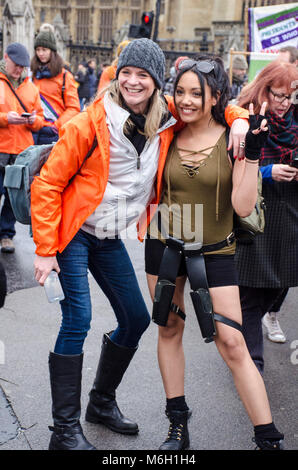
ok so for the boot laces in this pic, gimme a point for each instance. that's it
(175, 431)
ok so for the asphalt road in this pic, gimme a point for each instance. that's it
(28, 328)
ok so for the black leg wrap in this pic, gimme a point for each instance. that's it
(164, 292)
(203, 308)
(165, 287)
(227, 321)
(176, 309)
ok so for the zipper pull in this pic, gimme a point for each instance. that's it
(138, 162)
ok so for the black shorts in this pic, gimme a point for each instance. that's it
(220, 269)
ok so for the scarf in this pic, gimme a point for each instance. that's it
(282, 143)
(43, 72)
(136, 133)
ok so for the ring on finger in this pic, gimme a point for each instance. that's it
(242, 145)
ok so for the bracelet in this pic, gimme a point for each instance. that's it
(251, 161)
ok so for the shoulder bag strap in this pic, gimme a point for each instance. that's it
(19, 99)
(94, 145)
(63, 87)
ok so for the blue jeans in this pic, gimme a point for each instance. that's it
(110, 265)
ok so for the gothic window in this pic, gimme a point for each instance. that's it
(83, 24)
(63, 13)
(42, 15)
(106, 25)
(135, 17)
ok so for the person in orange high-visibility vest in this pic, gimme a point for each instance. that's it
(56, 85)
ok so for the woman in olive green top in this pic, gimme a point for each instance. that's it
(202, 189)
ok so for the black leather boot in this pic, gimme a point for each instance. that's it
(65, 377)
(265, 444)
(102, 407)
(178, 437)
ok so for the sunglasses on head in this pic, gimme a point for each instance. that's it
(202, 65)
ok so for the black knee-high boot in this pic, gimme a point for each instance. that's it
(102, 407)
(65, 377)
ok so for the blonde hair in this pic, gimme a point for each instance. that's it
(156, 111)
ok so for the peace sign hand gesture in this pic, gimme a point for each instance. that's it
(257, 134)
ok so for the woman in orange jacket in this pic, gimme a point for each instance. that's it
(56, 85)
(77, 226)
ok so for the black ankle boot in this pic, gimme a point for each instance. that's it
(263, 444)
(178, 437)
(65, 377)
(102, 407)
(267, 437)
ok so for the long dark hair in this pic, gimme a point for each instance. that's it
(217, 80)
(54, 65)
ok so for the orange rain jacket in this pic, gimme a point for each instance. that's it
(58, 210)
(108, 74)
(51, 89)
(14, 138)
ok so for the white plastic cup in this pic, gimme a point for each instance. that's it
(53, 288)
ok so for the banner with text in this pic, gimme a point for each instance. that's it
(273, 27)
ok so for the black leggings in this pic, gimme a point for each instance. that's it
(255, 302)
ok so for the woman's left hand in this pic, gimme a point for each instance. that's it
(257, 134)
(32, 117)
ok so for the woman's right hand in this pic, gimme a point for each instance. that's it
(43, 265)
(282, 172)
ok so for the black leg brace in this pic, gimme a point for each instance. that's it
(196, 271)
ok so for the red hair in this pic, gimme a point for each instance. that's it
(277, 74)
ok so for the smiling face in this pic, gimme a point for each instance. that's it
(188, 99)
(43, 54)
(136, 87)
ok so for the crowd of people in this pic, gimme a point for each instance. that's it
(160, 146)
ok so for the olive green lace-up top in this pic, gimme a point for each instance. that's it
(196, 202)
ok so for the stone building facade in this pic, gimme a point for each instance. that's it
(93, 28)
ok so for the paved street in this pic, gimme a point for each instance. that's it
(28, 328)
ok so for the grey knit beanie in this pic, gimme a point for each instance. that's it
(144, 54)
(239, 62)
(46, 39)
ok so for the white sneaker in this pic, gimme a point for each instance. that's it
(274, 330)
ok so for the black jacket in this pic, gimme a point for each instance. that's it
(83, 79)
